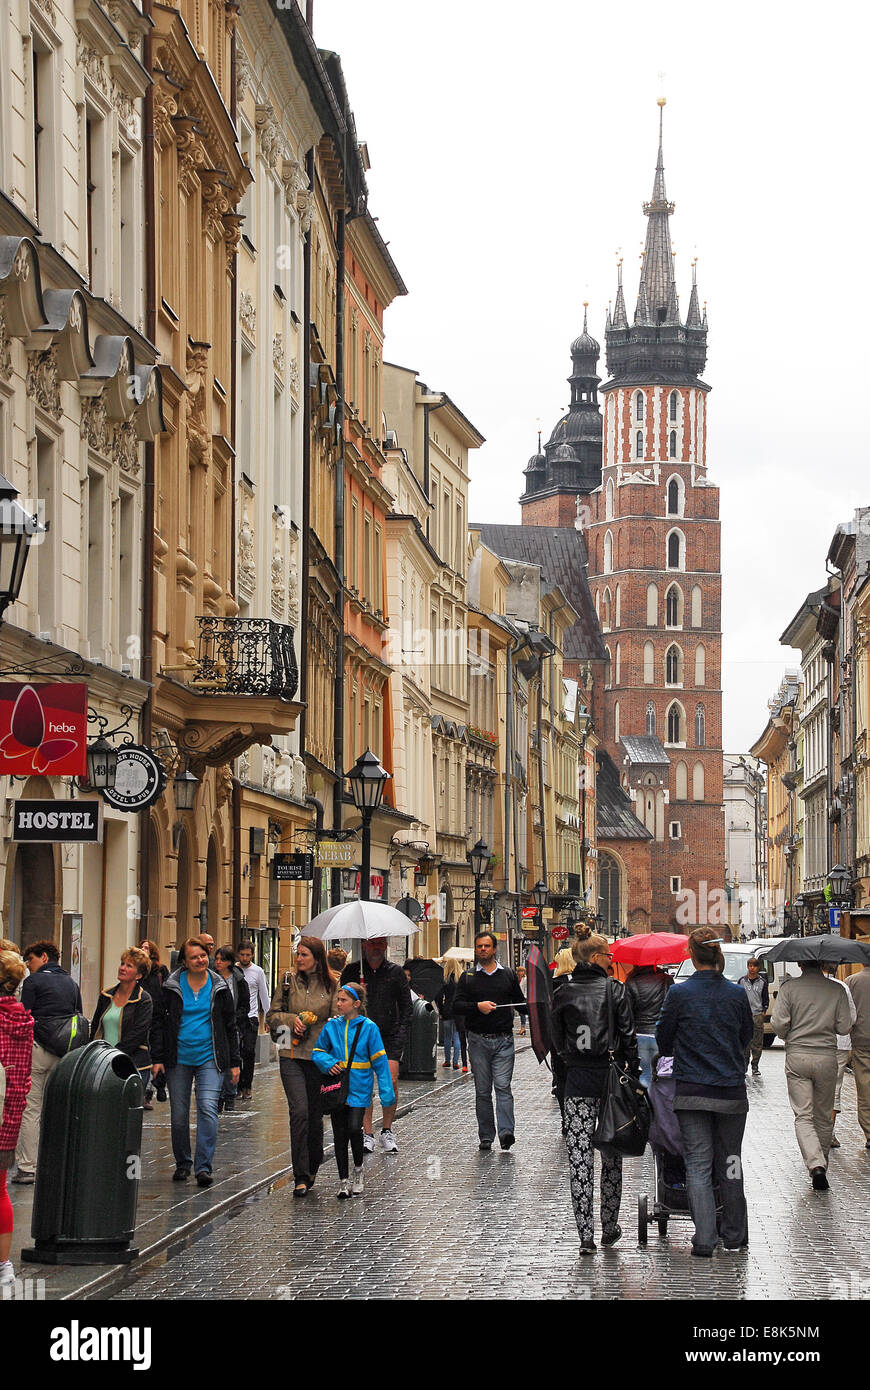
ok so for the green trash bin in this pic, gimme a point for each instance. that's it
(87, 1173)
(421, 1050)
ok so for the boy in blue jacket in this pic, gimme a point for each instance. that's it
(331, 1055)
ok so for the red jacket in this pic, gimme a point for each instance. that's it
(16, 1049)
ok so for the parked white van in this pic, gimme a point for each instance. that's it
(736, 954)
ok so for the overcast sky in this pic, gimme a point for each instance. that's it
(512, 145)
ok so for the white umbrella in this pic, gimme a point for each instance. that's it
(359, 921)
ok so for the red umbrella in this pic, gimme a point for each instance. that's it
(652, 948)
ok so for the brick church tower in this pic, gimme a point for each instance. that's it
(654, 571)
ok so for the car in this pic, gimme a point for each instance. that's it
(736, 954)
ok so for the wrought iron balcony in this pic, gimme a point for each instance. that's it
(246, 656)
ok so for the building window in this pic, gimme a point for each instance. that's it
(675, 492)
(618, 664)
(674, 606)
(651, 718)
(676, 550)
(608, 552)
(605, 617)
(673, 404)
(609, 903)
(617, 608)
(638, 444)
(673, 666)
(608, 500)
(675, 883)
(672, 444)
(700, 730)
(638, 407)
(676, 724)
(675, 830)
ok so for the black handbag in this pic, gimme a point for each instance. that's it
(334, 1089)
(624, 1114)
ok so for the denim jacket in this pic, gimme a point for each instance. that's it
(705, 1025)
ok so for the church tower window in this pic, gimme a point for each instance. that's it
(675, 497)
(674, 606)
(638, 407)
(676, 724)
(700, 731)
(676, 550)
(650, 718)
(672, 447)
(638, 444)
(608, 552)
(675, 396)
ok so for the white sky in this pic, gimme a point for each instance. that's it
(512, 146)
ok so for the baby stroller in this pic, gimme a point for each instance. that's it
(671, 1198)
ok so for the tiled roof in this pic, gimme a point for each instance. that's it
(561, 553)
(616, 820)
(645, 749)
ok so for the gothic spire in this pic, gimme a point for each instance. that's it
(693, 318)
(657, 271)
(620, 317)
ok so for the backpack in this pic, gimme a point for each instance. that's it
(62, 1035)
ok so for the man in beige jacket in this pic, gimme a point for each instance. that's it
(808, 1014)
(859, 984)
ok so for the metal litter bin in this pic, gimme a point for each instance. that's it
(420, 1055)
(87, 1173)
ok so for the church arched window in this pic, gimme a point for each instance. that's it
(672, 445)
(616, 722)
(609, 896)
(638, 407)
(675, 497)
(698, 782)
(608, 552)
(676, 550)
(638, 445)
(606, 611)
(617, 608)
(700, 666)
(649, 657)
(675, 396)
(696, 606)
(700, 728)
(618, 676)
(650, 718)
(676, 723)
(673, 666)
(681, 782)
(608, 500)
(674, 606)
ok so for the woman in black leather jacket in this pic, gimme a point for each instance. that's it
(580, 1028)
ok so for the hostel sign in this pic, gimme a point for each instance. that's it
(70, 822)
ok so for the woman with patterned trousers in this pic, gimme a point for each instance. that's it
(580, 1025)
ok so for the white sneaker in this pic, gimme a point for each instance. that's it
(7, 1273)
(388, 1143)
(368, 1143)
(344, 1188)
(357, 1185)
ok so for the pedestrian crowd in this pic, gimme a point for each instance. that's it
(680, 1056)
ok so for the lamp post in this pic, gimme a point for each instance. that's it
(478, 858)
(840, 883)
(799, 909)
(102, 759)
(367, 781)
(184, 785)
(18, 530)
(540, 897)
(584, 724)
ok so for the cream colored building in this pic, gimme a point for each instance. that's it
(79, 397)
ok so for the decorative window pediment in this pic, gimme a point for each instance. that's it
(21, 284)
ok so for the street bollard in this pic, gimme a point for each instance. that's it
(420, 1055)
(87, 1172)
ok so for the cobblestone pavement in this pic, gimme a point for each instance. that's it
(441, 1220)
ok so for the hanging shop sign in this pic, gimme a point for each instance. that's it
(139, 779)
(334, 854)
(71, 822)
(560, 933)
(43, 730)
(293, 867)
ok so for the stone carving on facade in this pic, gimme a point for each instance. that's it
(244, 767)
(94, 426)
(223, 784)
(5, 346)
(191, 151)
(198, 433)
(247, 565)
(165, 111)
(117, 443)
(293, 375)
(232, 223)
(43, 382)
(215, 203)
(293, 582)
(278, 577)
(269, 134)
(297, 779)
(125, 448)
(244, 74)
(305, 208)
(89, 59)
(278, 353)
(248, 314)
(294, 180)
(269, 769)
(47, 7)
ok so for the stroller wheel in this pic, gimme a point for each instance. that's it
(642, 1218)
(663, 1226)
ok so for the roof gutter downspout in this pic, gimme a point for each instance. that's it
(146, 668)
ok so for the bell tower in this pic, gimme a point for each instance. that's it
(654, 570)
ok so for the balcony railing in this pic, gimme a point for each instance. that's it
(246, 656)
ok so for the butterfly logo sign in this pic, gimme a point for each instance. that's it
(43, 730)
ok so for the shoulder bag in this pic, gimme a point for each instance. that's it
(624, 1112)
(334, 1089)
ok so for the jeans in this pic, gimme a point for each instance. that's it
(208, 1079)
(711, 1143)
(451, 1041)
(492, 1061)
(646, 1051)
(755, 1048)
(229, 1088)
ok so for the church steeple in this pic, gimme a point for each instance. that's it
(657, 346)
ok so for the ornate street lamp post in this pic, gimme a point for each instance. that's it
(840, 882)
(102, 759)
(540, 897)
(18, 530)
(478, 858)
(367, 781)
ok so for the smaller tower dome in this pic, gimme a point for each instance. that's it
(585, 345)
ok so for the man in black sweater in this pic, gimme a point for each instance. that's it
(486, 1000)
(52, 996)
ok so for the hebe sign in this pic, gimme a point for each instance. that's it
(44, 730)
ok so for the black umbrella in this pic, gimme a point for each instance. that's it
(427, 976)
(833, 950)
(539, 995)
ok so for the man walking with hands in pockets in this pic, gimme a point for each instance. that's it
(486, 1000)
